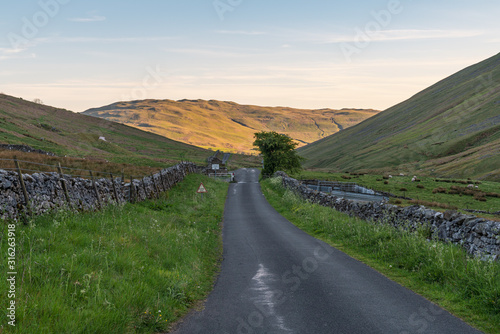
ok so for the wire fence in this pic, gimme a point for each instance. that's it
(48, 168)
(347, 190)
(76, 187)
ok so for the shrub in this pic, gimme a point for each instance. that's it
(439, 190)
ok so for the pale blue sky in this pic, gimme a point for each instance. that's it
(78, 54)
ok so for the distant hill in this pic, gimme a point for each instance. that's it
(227, 125)
(67, 133)
(450, 129)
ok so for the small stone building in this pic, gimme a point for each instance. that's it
(213, 163)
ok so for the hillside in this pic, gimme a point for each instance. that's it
(227, 125)
(450, 129)
(67, 133)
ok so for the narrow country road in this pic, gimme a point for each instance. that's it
(277, 279)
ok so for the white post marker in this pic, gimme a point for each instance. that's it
(215, 167)
(201, 189)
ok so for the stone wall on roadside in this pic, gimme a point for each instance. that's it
(24, 148)
(477, 235)
(46, 194)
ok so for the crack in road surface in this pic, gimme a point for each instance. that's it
(277, 279)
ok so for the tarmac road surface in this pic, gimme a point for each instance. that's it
(277, 279)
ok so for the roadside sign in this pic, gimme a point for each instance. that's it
(215, 166)
(201, 189)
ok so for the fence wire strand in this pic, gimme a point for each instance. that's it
(55, 167)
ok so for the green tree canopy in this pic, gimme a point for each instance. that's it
(278, 151)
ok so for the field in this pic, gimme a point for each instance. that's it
(128, 269)
(451, 129)
(74, 138)
(31, 162)
(443, 273)
(435, 193)
(228, 126)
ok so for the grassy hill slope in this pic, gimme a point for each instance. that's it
(67, 133)
(227, 125)
(450, 129)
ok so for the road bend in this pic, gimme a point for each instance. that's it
(277, 279)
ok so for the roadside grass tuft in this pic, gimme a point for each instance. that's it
(127, 269)
(443, 273)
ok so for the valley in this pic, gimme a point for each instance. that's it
(228, 126)
(451, 129)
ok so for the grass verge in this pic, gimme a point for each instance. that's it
(443, 273)
(128, 269)
(435, 193)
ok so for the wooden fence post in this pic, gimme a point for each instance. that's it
(23, 186)
(114, 188)
(169, 182)
(162, 182)
(63, 184)
(95, 189)
(155, 186)
(131, 190)
(145, 190)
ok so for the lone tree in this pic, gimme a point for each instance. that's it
(278, 151)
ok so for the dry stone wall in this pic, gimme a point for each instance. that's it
(478, 236)
(46, 193)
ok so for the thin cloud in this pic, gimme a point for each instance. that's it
(400, 35)
(6, 53)
(95, 18)
(206, 52)
(241, 32)
(58, 39)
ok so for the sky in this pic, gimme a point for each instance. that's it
(80, 54)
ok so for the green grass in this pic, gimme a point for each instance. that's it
(74, 135)
(449, 129)
(443, 273)
(228, 126)
(414, 190)
(128, 269)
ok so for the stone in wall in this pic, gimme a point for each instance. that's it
(478, 236)
(46, 193)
